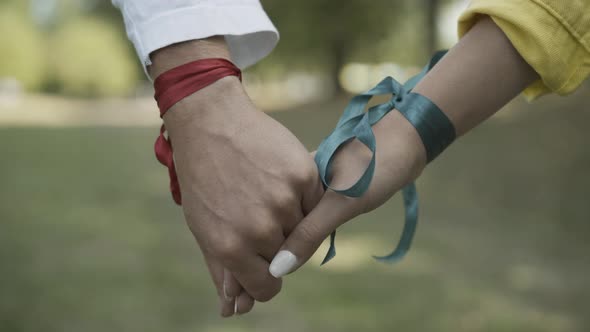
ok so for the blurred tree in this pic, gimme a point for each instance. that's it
(22, 47)
(88, 54)
(48, 13)
(432, 7)
(330, 33)
(327, 32)
(90, 58)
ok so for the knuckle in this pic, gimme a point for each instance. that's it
(309, 172)
(265, 230)
(227, 250)
(283, 199)
(286, 200)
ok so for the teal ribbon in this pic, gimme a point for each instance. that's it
(434, 128)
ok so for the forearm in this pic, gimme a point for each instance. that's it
(477, 77)
(474, 80)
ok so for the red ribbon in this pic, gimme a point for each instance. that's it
(173, 86)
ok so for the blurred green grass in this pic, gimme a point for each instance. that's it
(90, 239)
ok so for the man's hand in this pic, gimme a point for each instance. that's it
(246, 181)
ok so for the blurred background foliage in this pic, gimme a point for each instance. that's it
(91, 241)
(69, 47)
(23, 49)
(324, 35)
(50, 49)
(96, 66)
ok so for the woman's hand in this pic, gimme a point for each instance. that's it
(479, 75)
(400, 158)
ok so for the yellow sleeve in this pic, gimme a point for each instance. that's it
(553, 36)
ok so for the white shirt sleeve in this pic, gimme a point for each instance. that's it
(154, 24)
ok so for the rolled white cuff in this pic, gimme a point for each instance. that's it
(249, 33)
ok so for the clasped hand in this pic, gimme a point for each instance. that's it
(252, 194)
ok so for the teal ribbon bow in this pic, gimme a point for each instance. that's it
(434, 128)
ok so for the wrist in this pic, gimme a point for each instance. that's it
(208, 106)
(178, 54)
(215, 109)
(399, 151)
(402, 139)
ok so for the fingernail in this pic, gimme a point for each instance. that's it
(282, 264)
(227, 297)
(236, 307)
(222, 310)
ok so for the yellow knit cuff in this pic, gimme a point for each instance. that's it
(542, 37)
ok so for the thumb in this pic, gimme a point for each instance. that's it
(332, 211)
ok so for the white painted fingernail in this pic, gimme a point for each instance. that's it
(236, 307)
(282, 264)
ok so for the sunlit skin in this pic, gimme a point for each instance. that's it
(478, 76)
(222, 152)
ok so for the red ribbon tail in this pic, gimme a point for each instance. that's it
(163, 149)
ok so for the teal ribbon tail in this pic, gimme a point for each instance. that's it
(332, 250)
(435, 130)
(411, 206)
